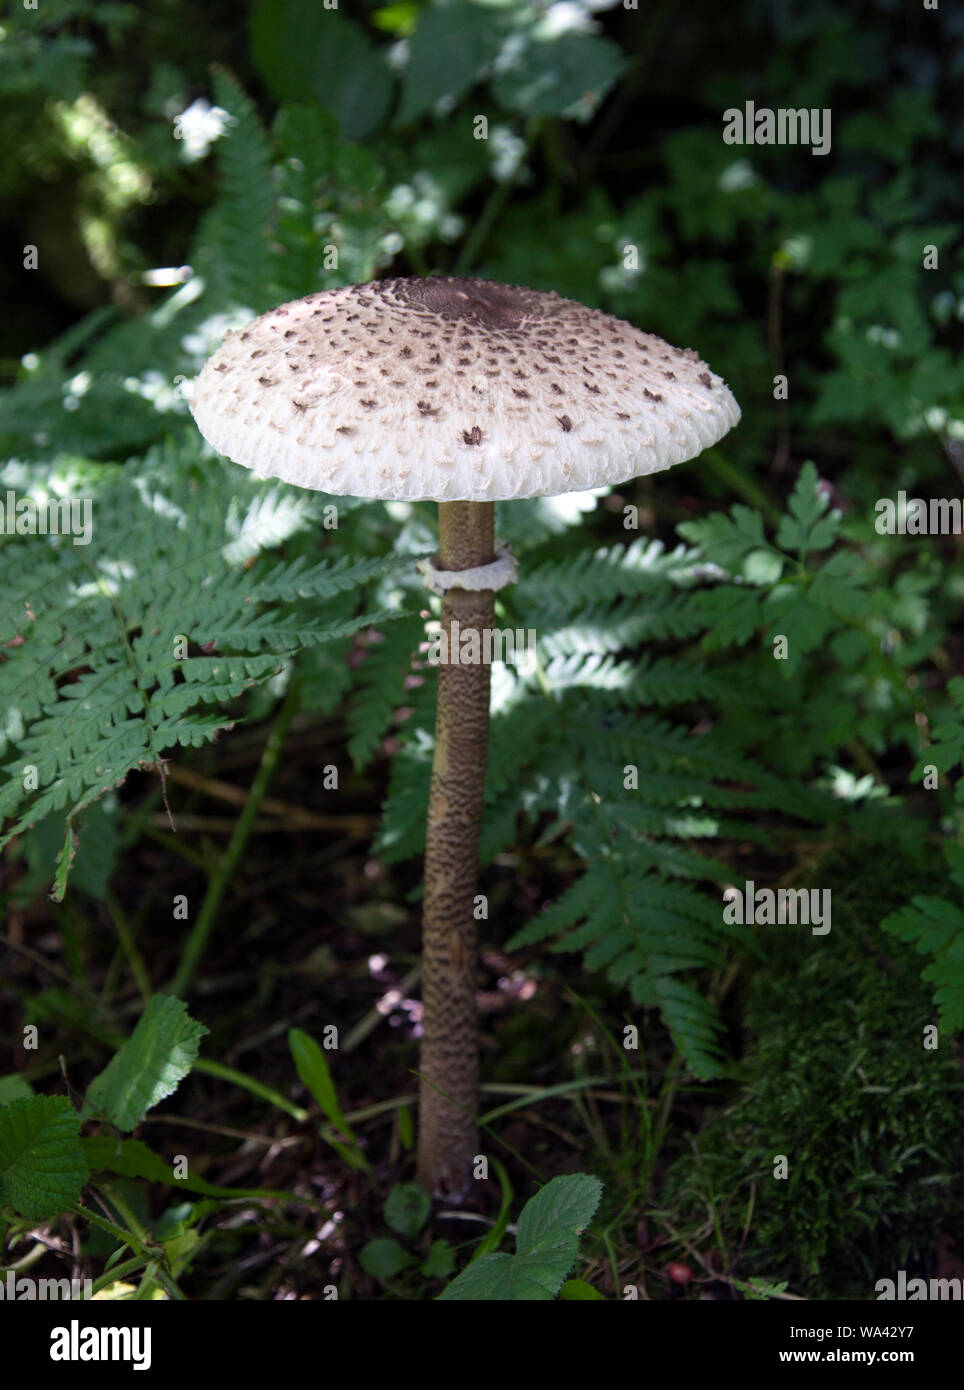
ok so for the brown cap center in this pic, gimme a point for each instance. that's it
(474, 301)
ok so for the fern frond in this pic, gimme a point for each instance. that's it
(143, 639)
(381, 686)
(596, 576)
(644, 935)
(232, 247)
(326, 198)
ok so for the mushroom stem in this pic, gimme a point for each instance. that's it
(447, 1134)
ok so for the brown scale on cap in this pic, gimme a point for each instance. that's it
(342, 391)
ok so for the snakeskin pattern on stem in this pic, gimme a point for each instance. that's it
(447, 1135)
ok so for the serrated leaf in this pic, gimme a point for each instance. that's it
(936, 927)
(99, 685)
(726, 540)
(806, 528)
(547, 1246)
(806, 501)
(150, 1065)
(562, 1209)
(42, 1169)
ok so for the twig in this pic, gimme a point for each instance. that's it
(295, 817)
(267, 1140)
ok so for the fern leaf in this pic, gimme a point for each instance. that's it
(232, 251)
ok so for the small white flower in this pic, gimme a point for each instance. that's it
(739, 174)
(400, 200)
(887, 337)
(563, 18)
(507, 151)
(199, 126)
(210, 333)
(511, 50)
(797, 251)
(398, 54)
(80, 384)
(451, 226)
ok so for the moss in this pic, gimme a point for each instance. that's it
(836, 1077)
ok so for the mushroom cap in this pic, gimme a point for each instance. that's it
(454, 390)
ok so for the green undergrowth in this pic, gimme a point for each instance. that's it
(836, 1078)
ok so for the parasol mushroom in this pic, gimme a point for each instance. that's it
(465, 392)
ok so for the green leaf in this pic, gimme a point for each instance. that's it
(936, 927)
(42, 1168)
(385, 1258)
(806, 528)
(448, 51)
(327, 196)
(440, 1260)
(314, 1072)
(150, 1065)
(734, 612)
(578, 1289)
(552, 1219)
(306, 52)
(792, 616)
(406, 1130)
(726, 540)
(132, 1158)
(14, 1087)
(490, 1278)
(763, 567)
(397, 19)
(407, 1208)
(97, 688)
(565, 76)
(547, 1246)
(235, 254)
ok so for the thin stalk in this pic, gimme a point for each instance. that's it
(448, 1095)
(218, 882)
(125, 934)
